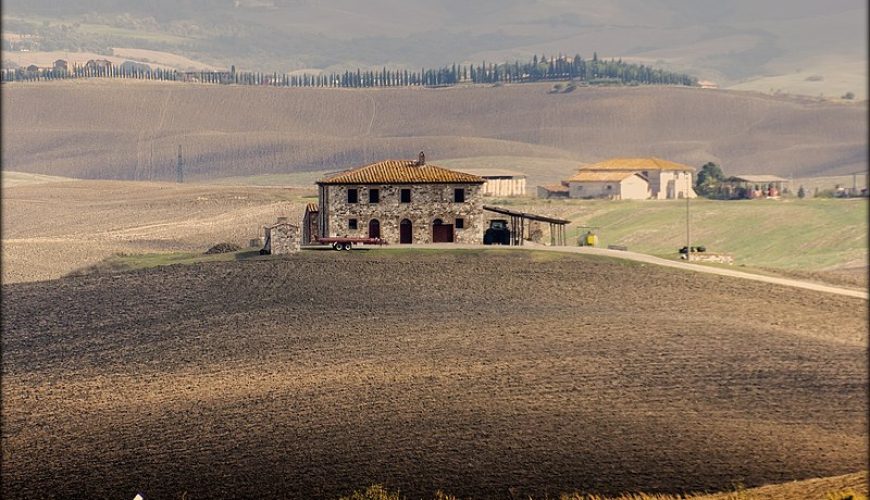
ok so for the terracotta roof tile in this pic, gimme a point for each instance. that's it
(400, 172)
(593, 176)
(637, 164)
(496, 172)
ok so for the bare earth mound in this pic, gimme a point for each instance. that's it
(480, 373)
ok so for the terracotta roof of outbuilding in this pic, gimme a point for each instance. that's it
(400, 172)
(637, 164)
(312, 207)
(613, 176)
(495, 172)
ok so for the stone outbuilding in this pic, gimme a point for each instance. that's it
(310, 224)
(402, 201)
(281, 238)
(615, 185)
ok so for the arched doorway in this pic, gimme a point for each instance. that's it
(406, 231)
(441, 232)
(374, 228)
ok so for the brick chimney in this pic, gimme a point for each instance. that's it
(421, 159)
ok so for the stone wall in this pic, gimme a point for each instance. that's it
(310, 230)
(719, 258)
(283, 238)
(428, 203)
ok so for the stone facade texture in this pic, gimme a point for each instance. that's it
(282, 238)
(430, 202)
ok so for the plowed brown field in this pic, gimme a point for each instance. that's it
(485, 374)
(131, 130)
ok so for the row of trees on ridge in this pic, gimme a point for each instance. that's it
(560, 68)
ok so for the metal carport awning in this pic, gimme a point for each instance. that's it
(518, 225)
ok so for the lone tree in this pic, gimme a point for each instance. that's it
(801, 192)
(707, 182)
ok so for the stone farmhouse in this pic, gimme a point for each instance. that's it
(612, 185)
(401, 201)
(667, 180)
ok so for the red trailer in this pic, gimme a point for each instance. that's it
(345, 243)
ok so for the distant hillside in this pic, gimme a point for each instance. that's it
(131, 130)
(810, 47)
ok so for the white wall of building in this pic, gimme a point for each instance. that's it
(499, 186)
(675, 185)
(630, 188)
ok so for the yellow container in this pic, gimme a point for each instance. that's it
(591, 239)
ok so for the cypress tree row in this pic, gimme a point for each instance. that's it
(594, 71)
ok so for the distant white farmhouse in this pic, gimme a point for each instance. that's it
(616, 185)
(667, 179)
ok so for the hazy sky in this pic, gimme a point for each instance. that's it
(732, 42)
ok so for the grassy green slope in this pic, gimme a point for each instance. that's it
(787, 234)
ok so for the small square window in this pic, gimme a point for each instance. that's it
(460, 224)
(351, 224)
(459, 195)
(405, 196)
(352, 195)
(374, 195)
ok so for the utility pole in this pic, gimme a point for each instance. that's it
(688, 234)
(179, 168)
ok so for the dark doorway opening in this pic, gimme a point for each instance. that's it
(406, 231)
(442, 233)
(374, 228)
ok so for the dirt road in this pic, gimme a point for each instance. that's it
(651, 259)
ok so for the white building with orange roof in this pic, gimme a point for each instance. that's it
(667, 179)
(616, 185)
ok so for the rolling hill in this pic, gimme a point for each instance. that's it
(131, 130)
(754, 44)
(316, 374)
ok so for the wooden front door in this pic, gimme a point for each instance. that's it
(406, 231)
(442, 233)
(374, 228)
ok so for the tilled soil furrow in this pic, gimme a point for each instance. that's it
(311, 376)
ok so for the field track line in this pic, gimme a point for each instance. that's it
(650, 259)
(374, 111)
